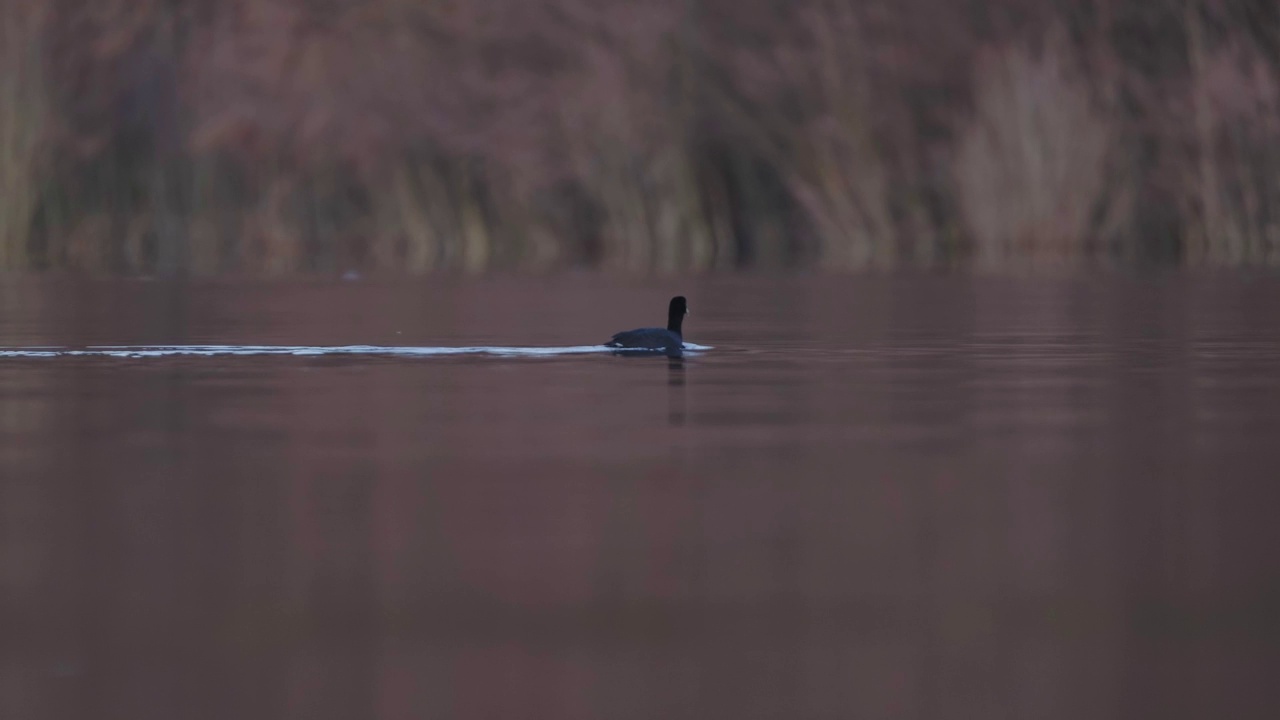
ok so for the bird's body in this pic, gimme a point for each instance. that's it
(668, 340)
(651, 338)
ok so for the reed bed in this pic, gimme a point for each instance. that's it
(24, 119)
(281, 136)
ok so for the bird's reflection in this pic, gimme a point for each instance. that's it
(676, 405)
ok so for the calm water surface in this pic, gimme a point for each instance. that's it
(895, 496)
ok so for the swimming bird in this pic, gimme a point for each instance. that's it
(669, 341)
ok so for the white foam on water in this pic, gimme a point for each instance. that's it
(148, 351)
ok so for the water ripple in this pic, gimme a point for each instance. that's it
(146, 351)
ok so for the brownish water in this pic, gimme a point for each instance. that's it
(900, 496)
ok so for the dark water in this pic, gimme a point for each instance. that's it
(905, 497)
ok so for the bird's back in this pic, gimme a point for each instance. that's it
(647, 338)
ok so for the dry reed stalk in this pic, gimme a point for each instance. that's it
(629, 148)
(427, 203)
(1030, 171)
(273, 240)
(846, 172)
(134, 242)
(205, 227)
(1205, 181)
(828, 151)
(536, 243)
(85, 247)
(205, 257)
(474, 234)
(1232, 203)
(597, 137)
(719, 249)
(24, 115)
(605, 169)
(434, 212)
(402, 216)
(678, 232)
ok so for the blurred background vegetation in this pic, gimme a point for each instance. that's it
(273, 136)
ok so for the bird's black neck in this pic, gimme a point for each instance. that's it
(674, 320)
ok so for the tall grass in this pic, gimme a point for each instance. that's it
(24, 120)
(1031, 165)
(278, 136)
(1232, 194)
(629, 139)
(831, 157)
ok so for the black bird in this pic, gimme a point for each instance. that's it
(669, 341)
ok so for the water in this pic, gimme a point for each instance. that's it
(156, 351)
(894, 496)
